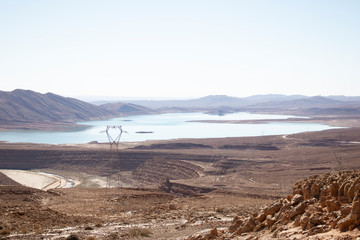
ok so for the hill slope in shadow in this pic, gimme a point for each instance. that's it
(29, 106)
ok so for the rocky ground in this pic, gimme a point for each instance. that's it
(116, 213)
(321, 207)
(324, 206)
(188, 187)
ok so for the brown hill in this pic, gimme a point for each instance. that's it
(126, 109)
(28, 106)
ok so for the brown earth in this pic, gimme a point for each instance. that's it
(207, 183)
(115, 213)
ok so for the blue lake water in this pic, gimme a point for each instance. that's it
(165, 126)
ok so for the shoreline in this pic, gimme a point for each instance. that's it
(73, 125)
(333, 121)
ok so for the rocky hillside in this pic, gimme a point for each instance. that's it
(28, 106)
(327, 206)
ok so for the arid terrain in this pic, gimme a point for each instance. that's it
(163, 189)
(225, 188)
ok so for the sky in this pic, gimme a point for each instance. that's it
(180, 49)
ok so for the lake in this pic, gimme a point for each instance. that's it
(165, 126)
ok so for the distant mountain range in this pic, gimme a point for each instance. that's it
(269, 101)
(25, 106)
(306, 102)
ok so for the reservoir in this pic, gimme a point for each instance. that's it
(163, 127)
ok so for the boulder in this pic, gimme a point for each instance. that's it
(332, 205)
(213, 233)
(259, 227)
(296, 199)
(300, 209)
(353, 219)
(235, 225)
(274, 208)
(318, 229)
(304, 220)
(269, 221)
(270, 210)
(248, 226)
(261, 217)
(315, 190)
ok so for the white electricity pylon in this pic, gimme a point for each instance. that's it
(114, 142)
(114, 147)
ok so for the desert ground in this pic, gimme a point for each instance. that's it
(163, 189)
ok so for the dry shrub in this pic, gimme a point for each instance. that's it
(182, 226)
(172, 207)
(98, 225)
(139, 232)
(72, 237)
(220, 210)
(112, 236)
(23, 230)
(38, 230)
(5, 232)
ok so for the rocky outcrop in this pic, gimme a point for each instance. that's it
(318, 204)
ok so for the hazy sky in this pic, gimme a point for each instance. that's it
(180, 49)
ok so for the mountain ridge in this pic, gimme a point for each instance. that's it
(255, 101)
(27, 109)
(29, 106)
